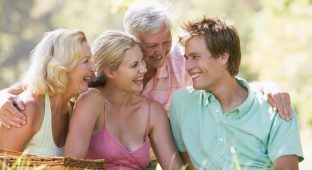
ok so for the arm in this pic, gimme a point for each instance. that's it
(15, 139)
(88, 108)
(161, 139)
(277, 98)
(187, 161)
(288, 162)
(284, 144)
(11, 107)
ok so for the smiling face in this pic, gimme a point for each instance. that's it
(81, 74)
(205, 70)
(129, 75)
(155, 47)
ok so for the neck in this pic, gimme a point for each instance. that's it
(150, 73)
(229, 93)
(59, 103)
(115, 96)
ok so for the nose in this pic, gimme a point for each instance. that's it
(160, 50)
(142, 68)
(92, 67)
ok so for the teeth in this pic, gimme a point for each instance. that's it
(156, 57)
(195, 75)
(139, 79)
(87, 78)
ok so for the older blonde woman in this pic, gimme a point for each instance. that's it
(111, 121)
(60, 69)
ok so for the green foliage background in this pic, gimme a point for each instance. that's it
(276, 38)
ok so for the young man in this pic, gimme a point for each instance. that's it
(220, 123)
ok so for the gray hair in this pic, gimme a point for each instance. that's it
(146, 17)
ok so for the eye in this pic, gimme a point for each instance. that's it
(167, 42)
(134, 65)
(86, 60)
(195, 57)
(151, 46)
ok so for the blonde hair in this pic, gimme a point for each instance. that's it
(108, 52)
(52, 59)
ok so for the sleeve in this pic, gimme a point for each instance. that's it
(284, 138)
(175, 126)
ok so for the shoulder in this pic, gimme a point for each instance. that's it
(156, 107)
(186, 93)
(90, 96)
(176, 55)
(91, 101)
(177, 51)
(33, 109)
(34, 106)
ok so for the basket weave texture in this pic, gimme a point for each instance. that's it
(10, 160)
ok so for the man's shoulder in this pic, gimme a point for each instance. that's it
(176, 54)
(186, 93)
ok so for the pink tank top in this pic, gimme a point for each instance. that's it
(104, 146)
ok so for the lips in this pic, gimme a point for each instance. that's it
(157, 57)
(87, 78)
(139, 80)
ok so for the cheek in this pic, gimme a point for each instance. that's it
(147, 52)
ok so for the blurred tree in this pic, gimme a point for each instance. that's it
(281, 49)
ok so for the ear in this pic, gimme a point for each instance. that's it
(109, 73)
(224, 58)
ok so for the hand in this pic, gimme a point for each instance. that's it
(281, 102)
(10, 111)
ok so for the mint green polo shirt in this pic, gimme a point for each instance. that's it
(250, 136)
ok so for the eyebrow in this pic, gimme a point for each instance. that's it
(193, 53)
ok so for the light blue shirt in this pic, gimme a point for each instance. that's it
(250, 136)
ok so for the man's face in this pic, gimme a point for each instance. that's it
(205, 71)
(155, 47)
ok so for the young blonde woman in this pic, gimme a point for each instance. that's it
(61, 68)
(111, 121)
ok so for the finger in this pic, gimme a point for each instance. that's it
(279, 106)
(15, 113)
(271, 101)
(8, 117)
(19, 103)
(11, 122)
(287, 106)
(4, 124)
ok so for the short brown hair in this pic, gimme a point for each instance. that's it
(220, 38)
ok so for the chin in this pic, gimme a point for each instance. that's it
(197, 87)
(138, 88)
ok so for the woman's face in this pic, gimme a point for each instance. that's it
(129, 75)
(82, 74)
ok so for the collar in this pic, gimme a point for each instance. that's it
(163, 71)
(240, 110)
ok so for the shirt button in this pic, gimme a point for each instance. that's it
(217, 110)
(221, 139)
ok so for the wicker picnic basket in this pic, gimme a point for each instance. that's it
(10, 160)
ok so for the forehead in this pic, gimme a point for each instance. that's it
(164, 34)
(133, 54)
(195, 44)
